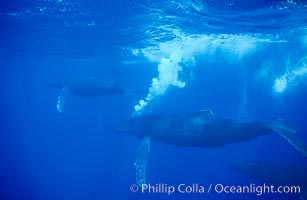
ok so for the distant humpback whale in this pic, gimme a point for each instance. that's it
(275, 173)
(199, 129)
(86, 86)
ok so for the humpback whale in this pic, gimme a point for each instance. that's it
(275, 173)
(200, 129)
(86, 86)
(205, 129)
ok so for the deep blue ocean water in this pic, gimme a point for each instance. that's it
(242, 59)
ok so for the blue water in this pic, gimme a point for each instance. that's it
(242, 59)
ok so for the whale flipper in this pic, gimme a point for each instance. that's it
(141, 160)
(288, 132)
(62, 98)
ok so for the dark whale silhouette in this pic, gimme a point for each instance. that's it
(88, 87)
(204, 129)
(199, 129)
(275, 173)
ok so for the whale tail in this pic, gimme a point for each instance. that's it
(288, 131)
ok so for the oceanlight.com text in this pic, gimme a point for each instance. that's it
(196, 188)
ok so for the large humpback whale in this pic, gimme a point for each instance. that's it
(276, 173)
(205, 129)
(200, 129)
(86, 86)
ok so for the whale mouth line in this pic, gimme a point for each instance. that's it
(124, 127)
(117, 129)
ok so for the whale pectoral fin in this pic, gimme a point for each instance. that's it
(287, 131)
(141, 160)
(62, 98)
(296, 142)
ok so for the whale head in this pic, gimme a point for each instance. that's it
(57, 85)
(131, 126)
(139, 126)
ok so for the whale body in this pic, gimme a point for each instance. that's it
(200, 129)
(276, 173)
(89, 86)
(205, 129)
(86, 86)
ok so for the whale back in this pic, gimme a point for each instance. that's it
(92, 87)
